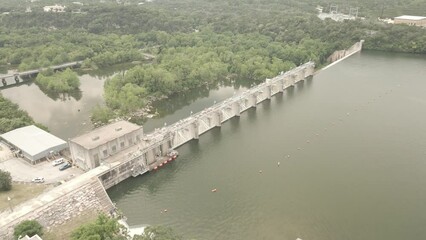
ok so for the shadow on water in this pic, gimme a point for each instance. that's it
(289, 93)
(279, 98)
(179, 100)
(251, 115)
(151, 181)
(77, 94)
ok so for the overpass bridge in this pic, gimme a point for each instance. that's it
(16, 78)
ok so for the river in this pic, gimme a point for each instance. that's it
(352, 152)
(350, 144)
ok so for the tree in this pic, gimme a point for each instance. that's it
(28, 227)
(5, 181)
(101, 114)
(158, 233)
(104, 228)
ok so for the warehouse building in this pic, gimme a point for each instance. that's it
(411, 20)
(33, 143)
(90, 149)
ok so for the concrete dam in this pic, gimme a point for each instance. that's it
(155, 145)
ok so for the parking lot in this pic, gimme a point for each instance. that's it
(25, 172)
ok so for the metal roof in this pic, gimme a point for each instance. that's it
(32, 139)
(407, 17)
(105, 134)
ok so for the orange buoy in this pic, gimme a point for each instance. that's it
(155, 168)
(160, 165)
(214, 190)
(174, 157)
(165, 162)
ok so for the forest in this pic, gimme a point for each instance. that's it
(194, 43)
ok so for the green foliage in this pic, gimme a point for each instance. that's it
(101, 114)
(195, 42)
(104, 228)
(11, 117)
(65, 81)
(5, 181)
(28, 227)
(158, 233)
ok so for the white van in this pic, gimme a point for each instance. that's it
(58, 161)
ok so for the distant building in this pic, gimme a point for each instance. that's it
(411, 20)
(35, 237)
(55, 8)
(33, 143)
(89, 150)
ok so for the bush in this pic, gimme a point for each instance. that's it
(28, 227)
(5, 181)
(104, 228)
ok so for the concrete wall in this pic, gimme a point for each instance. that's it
(340, 54)
(90, 196)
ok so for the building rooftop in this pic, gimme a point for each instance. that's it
(407, 17)
(32, 139)
(35, 237)
(105, 134)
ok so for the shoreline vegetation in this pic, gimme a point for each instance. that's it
(188, 44)
(12, 117)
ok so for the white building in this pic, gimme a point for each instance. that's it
(34, 143)
(55, 8)
(90, 149)
(411, 20)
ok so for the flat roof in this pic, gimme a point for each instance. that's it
(104, 134)
(32, 139)
(408, 17)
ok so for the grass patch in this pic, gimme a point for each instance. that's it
(19, 194)
(64, 231)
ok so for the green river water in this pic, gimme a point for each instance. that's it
(351, 143)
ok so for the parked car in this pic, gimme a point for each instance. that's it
(58, 162)
(65, 166)
(38, 180)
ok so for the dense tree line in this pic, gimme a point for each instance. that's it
(194, 42)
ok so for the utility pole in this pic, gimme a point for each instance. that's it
(353, 12)
(333, 8)
(383, 9)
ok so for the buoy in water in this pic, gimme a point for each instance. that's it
(165, 162)
(214, 190)
(260, 171)
(165, 210)
(278, 164)
(160, 165)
